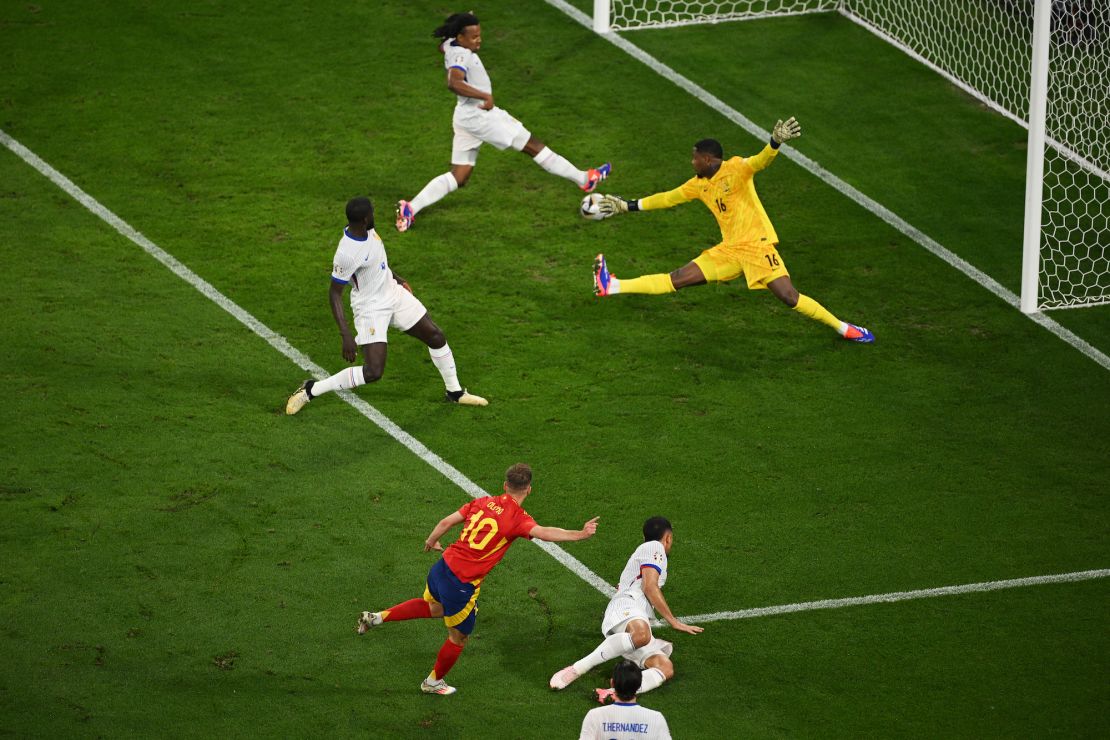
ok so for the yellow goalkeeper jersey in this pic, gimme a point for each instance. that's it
(730, 195)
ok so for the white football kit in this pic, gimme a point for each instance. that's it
(473, 125)
(624, 721)
(630, 602)
(377, 300)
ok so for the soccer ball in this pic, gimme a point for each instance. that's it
(589, 209)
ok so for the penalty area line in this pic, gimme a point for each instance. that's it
(282, 345)
(815, 169)
(926, 593)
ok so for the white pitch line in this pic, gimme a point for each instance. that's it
(927, 593)
(282, 345)
(835, 182)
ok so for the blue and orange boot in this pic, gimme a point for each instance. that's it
(859, 334)
(602, 278)
(405, 215)
(594, 176)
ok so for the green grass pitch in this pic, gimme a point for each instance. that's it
(181, 559)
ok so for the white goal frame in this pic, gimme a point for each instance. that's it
(1035, 123)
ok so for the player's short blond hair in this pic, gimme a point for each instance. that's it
(519, 476)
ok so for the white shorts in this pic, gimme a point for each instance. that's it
(371, 324)
(476, 127)
(618, 614)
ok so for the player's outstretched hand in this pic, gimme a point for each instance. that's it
(612, 205)
(786, 130)
(589, 528)
(429, 546)
(689, 629)
(350, 349)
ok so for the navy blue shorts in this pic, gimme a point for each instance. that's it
(459, 599)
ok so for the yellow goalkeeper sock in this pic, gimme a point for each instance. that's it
(649, 284)
(811, 308)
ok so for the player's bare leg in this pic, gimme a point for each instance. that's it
(783, 289)
(438, 187)
(636, 634)
(372, 369)
(551, 162)
(688, 276)
(461, 173)
(430, 334)
(412, 609)
(658, 668)
(606, 283)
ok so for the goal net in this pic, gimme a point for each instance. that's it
(986, 47)
(628, 14)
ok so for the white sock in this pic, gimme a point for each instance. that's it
(611, 647)
(436, 189)
(445, 363)
(614, 285)
(653, 678)
(351, 377)
(843, 328)
(556, 165)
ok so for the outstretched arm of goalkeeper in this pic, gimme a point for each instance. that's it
(783, 131)
(614, 205)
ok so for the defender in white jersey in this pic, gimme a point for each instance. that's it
(624, 719)
(627, 621)
(379, 300)
(477, 121)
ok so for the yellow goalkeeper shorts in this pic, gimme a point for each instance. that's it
(759, 263)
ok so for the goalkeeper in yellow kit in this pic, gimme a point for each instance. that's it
(748, 239)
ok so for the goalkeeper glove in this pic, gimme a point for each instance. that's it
(612, 205)
(785, 131)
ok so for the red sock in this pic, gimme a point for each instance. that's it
(411, 609)
(448, 654)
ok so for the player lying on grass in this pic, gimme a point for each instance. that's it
(748, 239)
(492, 524)
(627, 621)
(477, 121)
(379, 300)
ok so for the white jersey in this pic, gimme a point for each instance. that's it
(459, 57)
(624, 721)
(648, 555)
(362, 264)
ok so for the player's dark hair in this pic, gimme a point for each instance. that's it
(627, 678)
(358, 209)
(655, 528)
(710, 146)
(454, 25)
(519, 476)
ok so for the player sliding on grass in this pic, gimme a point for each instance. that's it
(747, 238)
(627, 621)
(379, 300)
(454, 582)
(477, 121)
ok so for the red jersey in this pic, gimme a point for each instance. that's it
(490, 524)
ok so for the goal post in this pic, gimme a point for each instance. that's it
(1034, 168)
(601, 16)
(1044, 64)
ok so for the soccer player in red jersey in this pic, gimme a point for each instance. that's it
(454, 582)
